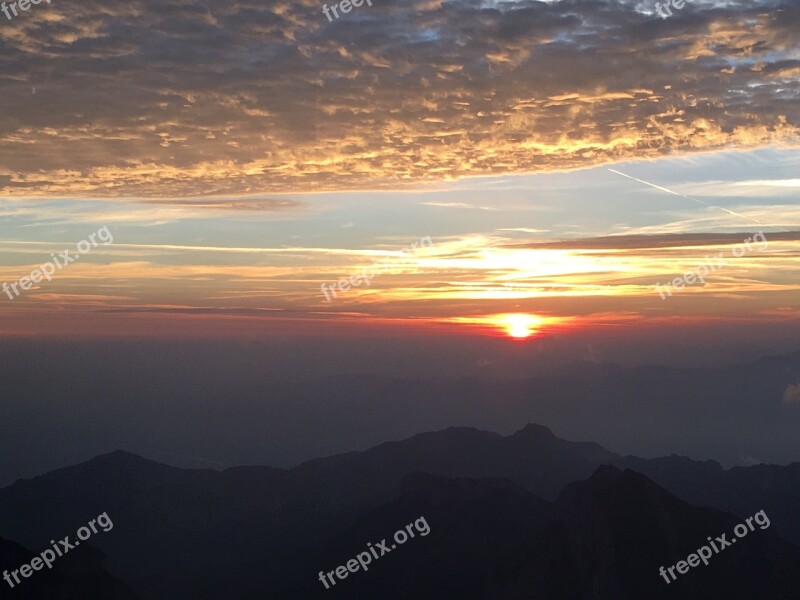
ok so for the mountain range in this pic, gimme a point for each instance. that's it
(528, 515)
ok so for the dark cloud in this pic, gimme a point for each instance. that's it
(182, 98)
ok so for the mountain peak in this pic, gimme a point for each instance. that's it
(119, 455)
(536, 430)
(122, 458)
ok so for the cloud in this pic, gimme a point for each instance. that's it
(524, 229)
(696, 242)
(785, 183)
(239, 204)
(178, 98)
(792, 394)
(459, 205)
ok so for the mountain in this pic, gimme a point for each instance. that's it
(604, 538)
(740, 490)
(235, 510)
(533, 456)
(75, 576)
(474, 527)
(518, 514)
(622, 528)
(247, 410)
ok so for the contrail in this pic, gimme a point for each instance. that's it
(663, 189)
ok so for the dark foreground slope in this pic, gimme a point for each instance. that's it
(604, 538)
(77, 576)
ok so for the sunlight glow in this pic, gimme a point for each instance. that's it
(521, 325)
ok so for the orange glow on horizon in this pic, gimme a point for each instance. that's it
(519, 326)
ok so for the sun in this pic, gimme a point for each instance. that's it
(517, 326)
(520, 325)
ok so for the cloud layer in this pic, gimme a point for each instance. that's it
(178, 98)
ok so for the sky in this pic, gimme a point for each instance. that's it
(240, 232)
(559, 160)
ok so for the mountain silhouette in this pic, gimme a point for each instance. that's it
(522, 516)
(740, 490)
(76, 576)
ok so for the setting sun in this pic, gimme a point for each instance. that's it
(520, 325)
(515, 325)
